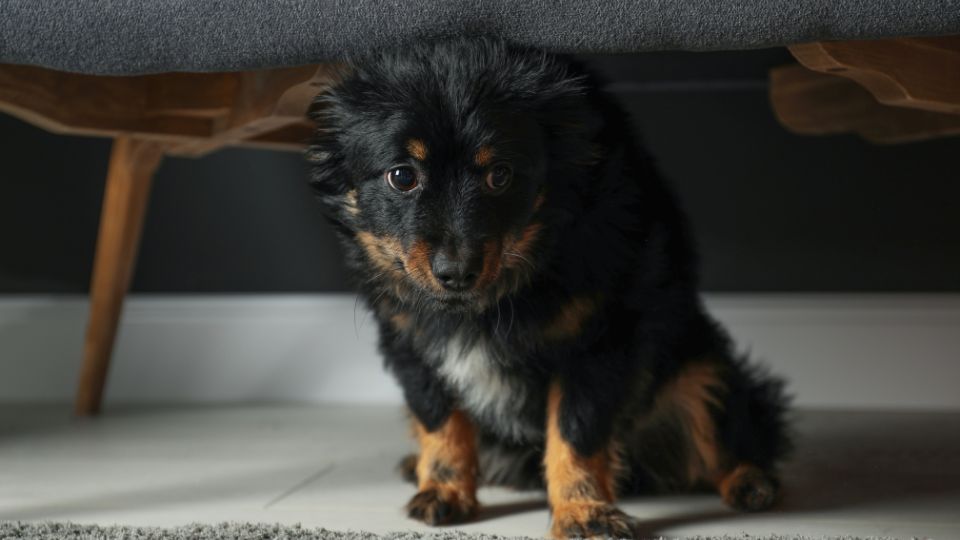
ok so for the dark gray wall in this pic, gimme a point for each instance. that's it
(773, 211)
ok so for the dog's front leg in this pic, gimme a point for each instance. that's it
(446, 472)
(581, 487)
(446, 466)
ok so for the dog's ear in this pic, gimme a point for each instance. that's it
(326, 164)
(561, 93)
(328, 177)
(574, 131)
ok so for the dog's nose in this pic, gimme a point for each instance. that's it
(456, 273)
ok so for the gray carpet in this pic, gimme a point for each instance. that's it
(137, 36)
(237, 531)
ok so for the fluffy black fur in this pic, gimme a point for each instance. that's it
(596, 281)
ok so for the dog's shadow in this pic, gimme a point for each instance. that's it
(872, 460)
(493, 511)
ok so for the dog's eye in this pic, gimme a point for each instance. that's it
(498, 178)
(402, 178)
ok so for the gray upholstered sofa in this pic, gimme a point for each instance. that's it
(138, 36)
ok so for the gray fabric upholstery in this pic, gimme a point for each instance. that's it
(141, 36)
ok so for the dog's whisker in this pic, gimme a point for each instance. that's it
(520, 258)
(374, 277)
(377, 298)
(403, 302)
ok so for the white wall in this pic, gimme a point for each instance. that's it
(837, 351)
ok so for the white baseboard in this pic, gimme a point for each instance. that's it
(849, 351)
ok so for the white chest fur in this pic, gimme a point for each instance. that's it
(488, 392)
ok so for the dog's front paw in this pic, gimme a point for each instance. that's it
(441, 506)
(592, 519)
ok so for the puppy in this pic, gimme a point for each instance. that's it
(535, 286)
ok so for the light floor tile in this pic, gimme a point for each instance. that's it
(854, 473)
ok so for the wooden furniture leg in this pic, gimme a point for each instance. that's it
(132, 164)
(181, 114)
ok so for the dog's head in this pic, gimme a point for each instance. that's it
(435, 162)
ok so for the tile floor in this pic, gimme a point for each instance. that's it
(855, 473)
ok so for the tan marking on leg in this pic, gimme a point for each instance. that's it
(694, 395)
(571, 476)
(446, 471)
(484, 156)
(725, 485)
(569, 321)
(747, 488)
(581, 489)
(453, 445)
(417, 149)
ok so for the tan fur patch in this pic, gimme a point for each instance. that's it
(732, 478)
(538, 202)
(417, 149)
(570, 476)
(484, 156)
(383, 251)
(417, 265)
(491, 264)
(517, 259)
(570, 320)
(401, 321)
(448, 457)
(521, 246)
(350, 203)
(694, 395)
(747, 488)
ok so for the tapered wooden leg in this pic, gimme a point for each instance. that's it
(132, 164)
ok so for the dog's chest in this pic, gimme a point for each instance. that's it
(496, 395)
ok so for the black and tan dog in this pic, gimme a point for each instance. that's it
(536, 289)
